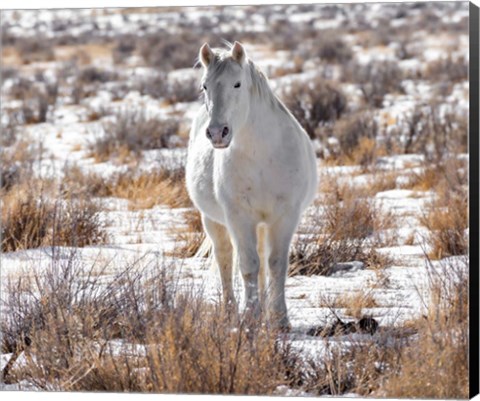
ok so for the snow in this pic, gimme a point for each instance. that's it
(146, 234)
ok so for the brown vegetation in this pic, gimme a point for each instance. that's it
(183, 344)
(343, 229)
(189, 236)
(357, 140)
(148, 189)
(442, 371)
(446, 219)
(314, 102)
(31, 219)
(375, 80)
(131, 132)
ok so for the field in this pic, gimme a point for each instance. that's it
(100, 286)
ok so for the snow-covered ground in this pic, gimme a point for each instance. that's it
(400, 292)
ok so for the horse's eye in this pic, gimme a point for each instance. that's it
(237, 85)
(204, 87)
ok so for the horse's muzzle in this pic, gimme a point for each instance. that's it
(219, 135)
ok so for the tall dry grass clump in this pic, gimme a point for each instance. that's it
(30, 219)
(139, 331)
(446, 219)
(188, 236)
(443, 337)
(148, 189)
(143, 189)
(342, 228)
(39, 212)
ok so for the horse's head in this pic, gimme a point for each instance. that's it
(226, 87)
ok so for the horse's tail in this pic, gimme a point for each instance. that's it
(205, 249)
(262, 255)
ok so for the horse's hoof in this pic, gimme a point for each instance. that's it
(282, 326)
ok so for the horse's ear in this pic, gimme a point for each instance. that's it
(238, 53)
(206, 55)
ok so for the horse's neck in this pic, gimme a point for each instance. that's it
(263, 118)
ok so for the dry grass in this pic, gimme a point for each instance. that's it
(177, 343)
(442, 371)
(353, 303)
(34, 49)
(130, 133)
(190, 236)
(31, 219)
(183, 345)
(446, 219)
(356, 141)
(18, 162)
(344, 232)
(380, 181)
(345, 225)
(389, 366)
(146, 190)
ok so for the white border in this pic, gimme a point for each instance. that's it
(32, 4)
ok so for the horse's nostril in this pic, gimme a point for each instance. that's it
(225, 132)
(209, 135)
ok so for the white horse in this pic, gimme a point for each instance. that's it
(251, 171)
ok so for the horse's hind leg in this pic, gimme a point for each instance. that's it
(280, 235)
(222, 249)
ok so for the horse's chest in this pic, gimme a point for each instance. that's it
(246, 183)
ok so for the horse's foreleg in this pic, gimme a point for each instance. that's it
(280, 235)
(222, 249)
(244, 238)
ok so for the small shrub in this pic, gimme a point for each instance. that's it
(342, 231)
(183, 91)
(167, 52)
(447, 70)
(30, 219)
(446, 219)
(155, 86)
(357, 143)
(18, 162)
(159, 87)
(314, 103)
(131, 132)
(375, 79)
(89, 75)
(8, 131)
(124, 48)
(34, 49)
(435, 132)
(331, 48)
(381, 366)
